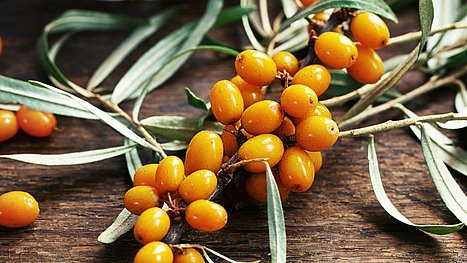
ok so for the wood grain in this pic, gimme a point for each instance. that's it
(339, 219)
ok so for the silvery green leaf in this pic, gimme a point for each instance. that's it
(122, 224)
(133, 162)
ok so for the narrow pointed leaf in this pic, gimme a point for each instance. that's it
(227, 258)
(378, 7)
(14, 91)
(133, 162)
(452, 155)
(276, 222)
(452, 195)
(128, 45)
(175, 146)
(426, 15)
(386, 203)
(71, 158)
(232, 14)
(196, 101)
(122, 224)
(177, 127)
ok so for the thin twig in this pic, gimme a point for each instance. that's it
(390, 125)
(417, 35)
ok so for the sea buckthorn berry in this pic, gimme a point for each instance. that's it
(336, 50)
(286, 61)
(262, 117)
(250, 93)
(297, 100)
(229, 140)
(198, 185)
(320, 110)
(321, 16)
(169, 175)
(154, 252)
(152, 225)
(255, 67)
(306, 3)
(316, 77)
(296, 170)
(370, 30)
(18, 209)
(287, 128)
(261, 146)
(207, 216)
(316, 159)
(140, 198)
(226, 102)
(368, 68)
(205, 151)
(316, 133)
(9, 125)
(146, 175)
(36, 123)
(256, 187)
(188, 255)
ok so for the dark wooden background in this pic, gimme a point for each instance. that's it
(339, 219)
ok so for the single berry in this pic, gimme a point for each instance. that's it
(207, 216)
(146, 175)
(229, 140)
(9, 125)
(296, 170)
(262, 117)
(297, 100)
(316, 159)
(188, 255)
(255, 67)
(256, 187)
(320, 110)
(287, 128)
(368, 68)
(140, 198)
(336, 50)
(205, 151)
(198, 185)
(261, 146)
(18, 209)
(316, 133)
(286, 61)
(226, 102)
(316, 77)
(36, 123)
(169, 175)
(154, 252)
(152, 225)
(370, 30)
(250, 93)
(306, 3)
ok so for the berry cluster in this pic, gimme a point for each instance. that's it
(32, 122)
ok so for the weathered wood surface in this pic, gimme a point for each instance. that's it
(338, 219)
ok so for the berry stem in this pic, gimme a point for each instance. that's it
(390, 125)
(417, 35)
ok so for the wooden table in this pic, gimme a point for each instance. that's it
(338, 219)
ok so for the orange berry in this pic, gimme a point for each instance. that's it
(261, 146)
(207, 216)
(154, 252)
(8, 123)
(297, 100)
(370, 30)
(188, 255)
(316, 159)
(316, 133)
(368, 68)
(18, 209)
(36, 123)
(296, 170)
(306, 3)
(229, 140)
(320, 110)
(170, 174)
(226, 102)
(316, 77)
(336, 50)
(321, 16)
(146, 175)
(286, 61)
(255, 67)
(140, 198)
(256, 187)
(198, 185)
(205, 151)
(152, 225)
(287, 128)
(250, 93)
(262, 117)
